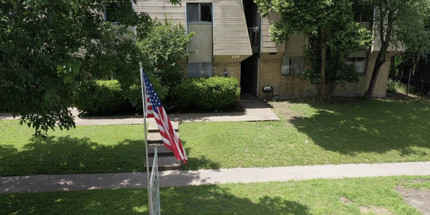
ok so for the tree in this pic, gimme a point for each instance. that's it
(331, 32)
(46, 47)
(163, 49)
(162, 46)
(399, 23)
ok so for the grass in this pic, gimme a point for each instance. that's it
(86, 149)
(341, 196)
(347, 131)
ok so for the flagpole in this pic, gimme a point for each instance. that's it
(146, 136)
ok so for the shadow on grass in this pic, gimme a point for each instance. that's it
(70, 155)
(211, 199)
(65, 155)
(215, 199)
(352, 126)
(201, 162)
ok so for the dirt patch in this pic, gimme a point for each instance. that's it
(345, 200)
(420, 199)
(374, 210)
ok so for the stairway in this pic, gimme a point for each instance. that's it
(166, 158)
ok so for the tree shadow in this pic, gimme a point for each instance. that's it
(353, 126)
(212, 199)
(215, 199)
(67, 155)
(195, 163)
(71, 155)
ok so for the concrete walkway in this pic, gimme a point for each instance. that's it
(254, 110)
(49, 183)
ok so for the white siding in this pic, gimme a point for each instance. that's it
(230, 30)
(268, 44)
(230, 33)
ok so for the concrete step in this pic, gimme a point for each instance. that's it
(161, 149)
(152, 127)
(165, 163)
(155, 138)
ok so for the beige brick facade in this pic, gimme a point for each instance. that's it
(290, 86)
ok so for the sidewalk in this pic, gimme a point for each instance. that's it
(254, 110)
(176, 178)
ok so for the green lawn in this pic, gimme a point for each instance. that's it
(342, 196)
(86, 149)
(347, 131)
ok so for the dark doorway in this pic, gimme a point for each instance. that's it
(249, 67)
(249, 72)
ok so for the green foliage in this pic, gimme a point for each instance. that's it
(330, 29)
(401, 24)
(134, 92)
(213, 93)
(98, 98)
(49, 46)
(397, 86)
(164, 46)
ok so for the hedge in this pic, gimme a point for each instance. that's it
(100, 98)
(205, 94)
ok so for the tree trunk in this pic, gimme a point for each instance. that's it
(408, 88)
(380, 59)
(325, 95)
(393, 68)
(412, 72)
(385, 42)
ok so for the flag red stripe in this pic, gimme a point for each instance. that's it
(169, 135)
(153, 108)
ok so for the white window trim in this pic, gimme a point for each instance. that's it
(199, 9)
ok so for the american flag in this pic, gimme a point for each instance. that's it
(148, 107)
(168, 134)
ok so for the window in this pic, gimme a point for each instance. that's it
(199, 69)
(199, 12)
(363, 11)
(291, 65)
(359, 62)
(113, 10)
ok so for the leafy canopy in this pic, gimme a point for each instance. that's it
(47, 47)
(330, 29)
(399, 23)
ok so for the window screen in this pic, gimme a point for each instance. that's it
(291, 65)
(199, 12)
(193, 12)
(359, 62)
(199, 69)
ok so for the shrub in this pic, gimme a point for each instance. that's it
(134, 92)
(205, 94)
(101, 98)
(162, 48)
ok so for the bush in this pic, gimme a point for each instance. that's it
(134, 92)
(205, 94)
(101, 98)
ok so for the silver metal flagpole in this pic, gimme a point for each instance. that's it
(146, 136)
